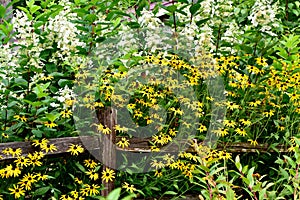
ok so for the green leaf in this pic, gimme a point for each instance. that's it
(21, 81)
(52, 117)
(290, 161)
(250, 177)
(129, 197)
(41, 191)
(284, 173)
(171, 8)
(170, 193)
(64, 82)
(229, 194)
(194, 8)
(51, 67)
(37, 133)
(91, 17)
(238, 163)
(2, 11)
(114, 195)
(80, 167)
(34, 8)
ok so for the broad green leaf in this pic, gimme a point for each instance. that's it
(41, 191)
(229, 194)
(194, 8)
(2, 11)
(80, 167)
(114, 195)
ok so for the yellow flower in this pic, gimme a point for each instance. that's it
(176, 111)
(50, 125)
(66, 113)
(22, 118)
(241, 131)
(157, 164)
(229, 123)
(92, 175)
(90, 163)
(34, 160)
(232, 106)
(22, 161)
(253, 142)
(5, 135)
(77, 180)
(41, 177)
(40, 143)
(49, 147)
(221, 132)
(128, 188)
(245, 122)
(75, 149)
(15, 152)
(123, 143)
(17, 191)
(27, 181)
(74, 193)
(158, 174)
(108, 175)
(102, 129)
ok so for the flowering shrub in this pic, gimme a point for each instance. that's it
(210, 70)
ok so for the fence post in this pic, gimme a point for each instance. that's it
(107, 116)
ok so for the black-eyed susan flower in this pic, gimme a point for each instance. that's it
(90, 163)
(93, 189)
(42, 177)
(231, 105)
(241, 131)
(5, 135)
(66, 113)
(245, 122)
(157, 164)
(123, 143)
(77, 180)
(103, 129)
(253, 142)
(27, 181)
(93, 175)
(34, 160)
(22, 161)
(202, 128)
(221, 132)
(50, 124)
(17, 191)
(75, 149)
(48, 147)
(74, 193)
(39, 143)
(158, 173)
(229, 123)
(22, 118)
(108, 175)
(129, 188)
(15, 152)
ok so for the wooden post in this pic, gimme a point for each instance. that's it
(107, 117)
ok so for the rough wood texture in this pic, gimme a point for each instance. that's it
(107, 116)
(136, 145)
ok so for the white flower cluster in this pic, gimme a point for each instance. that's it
(230, 36)
(64, 33)
(63, 95)
(8, 71)
(263, 14)
(27, 39)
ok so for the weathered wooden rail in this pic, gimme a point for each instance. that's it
(136, 145)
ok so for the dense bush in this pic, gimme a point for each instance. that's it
(219, 70)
